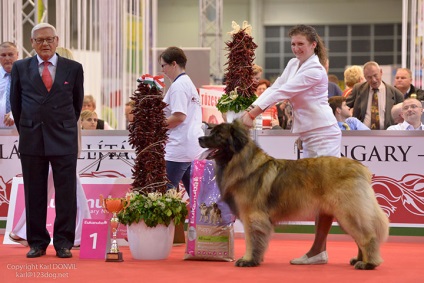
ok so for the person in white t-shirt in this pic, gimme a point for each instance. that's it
(183, 117)
(412, 111)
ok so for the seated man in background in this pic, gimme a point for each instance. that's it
(397, 113)
(342, 113)
(412, 111)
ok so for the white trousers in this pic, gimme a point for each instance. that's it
(324, 141)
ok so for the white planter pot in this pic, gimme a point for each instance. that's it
(148, 243)
(231, 115)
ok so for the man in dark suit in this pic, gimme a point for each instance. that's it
(46, 99)
(403, 82)
(362, 94)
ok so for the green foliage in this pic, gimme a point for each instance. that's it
(236, 103)
(154, 208)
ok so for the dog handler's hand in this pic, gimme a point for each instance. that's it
(247, 120)
(249, 116)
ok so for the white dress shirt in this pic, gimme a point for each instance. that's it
(4, 82)
(307, 89)
(405, 126)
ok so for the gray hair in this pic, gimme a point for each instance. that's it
(41, 26)
(371, 63)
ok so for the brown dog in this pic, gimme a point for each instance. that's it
(262, 191)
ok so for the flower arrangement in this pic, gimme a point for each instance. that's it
(154, 208)
(240, 88)
(149, 199)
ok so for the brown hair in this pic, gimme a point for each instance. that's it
(312, 36)
(172, 54)
(336, 102)
(265, 82)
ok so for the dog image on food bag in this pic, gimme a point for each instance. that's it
(204, 212)
(262, 191)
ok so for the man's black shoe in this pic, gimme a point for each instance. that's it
(35, 252)
(63, 253)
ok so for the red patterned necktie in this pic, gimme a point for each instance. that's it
(46, 76)
(375, 116)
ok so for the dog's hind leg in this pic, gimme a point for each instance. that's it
(364, 229)
(354, 260)
(257, 229)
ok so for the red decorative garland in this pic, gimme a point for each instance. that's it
(148, 136)
(239, 73)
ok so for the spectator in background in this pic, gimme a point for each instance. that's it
(352, 75)
(397, 113)
(129, 116)
(269, 117)
(412, 111)
(333, 78)
(373, 100)
(263, 84)
(257, 73)
(342, 113)
(89, 120)
(333, 88)
(90, 104)
(403, 82)
(8, 55)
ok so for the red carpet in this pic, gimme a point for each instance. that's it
(403, 257)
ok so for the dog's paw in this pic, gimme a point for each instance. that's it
(364, 265)
(246, 263)
(353, 261)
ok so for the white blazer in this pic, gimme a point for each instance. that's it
(307, 89)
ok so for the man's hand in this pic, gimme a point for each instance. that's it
(8, 120)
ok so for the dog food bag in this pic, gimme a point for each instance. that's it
(210, 233)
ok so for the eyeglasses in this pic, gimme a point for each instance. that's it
(412, 106)
(41, 40)
(92, 120)
(163, 65)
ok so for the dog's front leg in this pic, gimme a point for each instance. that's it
(257, 229)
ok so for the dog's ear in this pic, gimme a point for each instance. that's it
(239, 136)
(238, 123)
